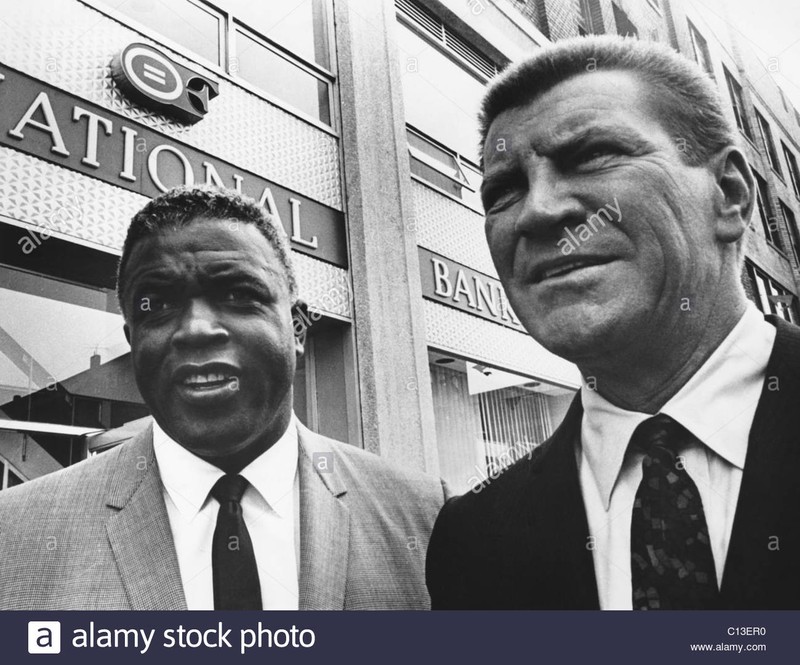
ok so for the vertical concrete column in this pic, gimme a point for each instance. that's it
(394, 381)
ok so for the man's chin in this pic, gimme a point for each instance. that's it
(576, 334)
(206, 437)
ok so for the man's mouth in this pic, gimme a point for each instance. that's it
(209, 381)
(558, 268)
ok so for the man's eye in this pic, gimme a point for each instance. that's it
(596, 153)
(239, 295)
(498, 197)
(152, 303)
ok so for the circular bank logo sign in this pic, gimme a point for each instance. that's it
(151, 72)
(152, 79)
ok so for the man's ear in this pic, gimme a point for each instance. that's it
(735, 194)
(301, 323)
(126, 329)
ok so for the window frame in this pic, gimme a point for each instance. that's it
(791, 165)
(772, 287)
(471, 201)
(319, 73)
(6, 467)
(702, 55)
(764, 205)
(462, 165)
(790, 221)
(735, 93)
(223, 69)
(767, 141)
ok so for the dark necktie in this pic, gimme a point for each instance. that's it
(236, 584)
(672, 566)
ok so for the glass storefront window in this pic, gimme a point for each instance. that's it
(187, 23)
(63, 358)
(487, 418)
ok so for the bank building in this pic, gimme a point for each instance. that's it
(354, 123)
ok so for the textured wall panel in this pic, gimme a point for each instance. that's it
(71, 45)
(323, 286)
(48, 196)
(450, 229)
(481, 340)
(40, 193)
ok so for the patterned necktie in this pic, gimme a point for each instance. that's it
(233, 562)
(672, 566)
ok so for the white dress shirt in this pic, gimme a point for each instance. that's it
(717, 405)
(270, 507)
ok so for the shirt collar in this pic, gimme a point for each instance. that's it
(717, 404)
(188, 479)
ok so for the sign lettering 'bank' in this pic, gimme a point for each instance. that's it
(455, 285)
(48, 123)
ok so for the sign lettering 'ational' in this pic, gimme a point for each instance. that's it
(455, 285)
(48, 123)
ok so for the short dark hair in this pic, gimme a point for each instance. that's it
(693, 110)
(182, 206)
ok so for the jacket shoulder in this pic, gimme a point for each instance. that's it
(368, 472)
(73, 486)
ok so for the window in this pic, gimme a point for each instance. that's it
(64, 360)
(735, 92)
(267, 69)
(280, 48)
(536, 12)
(299, 26)
(791, 163)
(191, 24)
(8, 476)
(625, 27)
(783, 100)
(770, 297)
(700, 49)
(769, 145)
(791, 227)
(768, 222)
(590, 18)
(487, 418)
(442, 99)
(444, 81)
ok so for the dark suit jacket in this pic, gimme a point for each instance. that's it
(96, 536)
(521, 541)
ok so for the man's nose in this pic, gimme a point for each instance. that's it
(550, 203)
(200, 324)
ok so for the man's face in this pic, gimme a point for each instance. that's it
(212, 342)
(592, 144)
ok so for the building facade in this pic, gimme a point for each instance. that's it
(353, 121)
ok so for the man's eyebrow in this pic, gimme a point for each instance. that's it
(567, 138)
(234, 271)
(155, 276)
(503, 171)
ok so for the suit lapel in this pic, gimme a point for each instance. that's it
(557, 526)
(324, 525)
(761, 566)
(139, 534)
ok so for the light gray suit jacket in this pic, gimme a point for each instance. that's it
(96, 535)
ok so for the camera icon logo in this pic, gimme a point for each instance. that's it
(44, 637)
